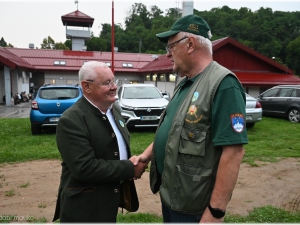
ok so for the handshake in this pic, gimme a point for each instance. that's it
(141, 161)
(140, 165)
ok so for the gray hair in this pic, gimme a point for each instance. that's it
(202, 40)
(87, 70)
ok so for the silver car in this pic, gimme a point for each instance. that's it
(253, 111)
(141, 104)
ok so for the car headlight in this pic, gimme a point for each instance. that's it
(126, 107)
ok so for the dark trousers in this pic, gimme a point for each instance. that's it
(171, 216)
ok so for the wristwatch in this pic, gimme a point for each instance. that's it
(216, 212)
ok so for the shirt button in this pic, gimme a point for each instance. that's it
(116, 190)
(113, 135)
(116, 153)
(104, 118)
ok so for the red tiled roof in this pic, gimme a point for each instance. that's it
(164, 65)
(225, 41)
(161, 64)
(267, 78)
(11, 60)
(43, 59)
(77, 19)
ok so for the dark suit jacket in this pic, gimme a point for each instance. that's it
(89, 188)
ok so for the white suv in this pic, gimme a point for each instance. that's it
(141, 104)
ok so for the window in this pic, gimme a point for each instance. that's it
(59, 93)
(162, 77)
(271, 93)
(59, 63)
(285, 92)
(172, 77)
(154, 77)
(127, 64)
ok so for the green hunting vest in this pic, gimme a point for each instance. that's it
(191, 159)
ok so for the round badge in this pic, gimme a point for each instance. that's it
(121, 123)
(195, 96)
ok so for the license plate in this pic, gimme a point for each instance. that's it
(54, 119)
(148, 117)
(248, 118)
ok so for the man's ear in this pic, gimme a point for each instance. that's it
(191, 44)
(86, 87)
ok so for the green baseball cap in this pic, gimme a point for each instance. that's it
(190, 23)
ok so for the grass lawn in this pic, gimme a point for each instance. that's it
(269, 140)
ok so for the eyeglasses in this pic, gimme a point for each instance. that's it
(170, 46)
(109, 84)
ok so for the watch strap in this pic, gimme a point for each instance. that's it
(216, 212)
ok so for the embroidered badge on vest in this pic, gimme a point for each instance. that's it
(237, 122)
(192, 113)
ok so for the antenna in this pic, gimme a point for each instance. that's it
(76, 2)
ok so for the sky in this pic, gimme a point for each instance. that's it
(23, 22)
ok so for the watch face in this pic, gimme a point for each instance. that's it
(217, 213)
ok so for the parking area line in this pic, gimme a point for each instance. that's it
(10, 114)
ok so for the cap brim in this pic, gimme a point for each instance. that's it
(164, 37)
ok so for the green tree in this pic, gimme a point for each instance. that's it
(60, 45)
(155, 12)
(2, 42)
(68, 43)
(293, 55)
(96, 44)
(138, 10)
(48, 43)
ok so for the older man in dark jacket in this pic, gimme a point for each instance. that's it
(94, 144)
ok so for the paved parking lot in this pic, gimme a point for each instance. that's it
(21, 110)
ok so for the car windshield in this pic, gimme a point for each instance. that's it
(59, 93)
(141, 93)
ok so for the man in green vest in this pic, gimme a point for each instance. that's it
(198, 148)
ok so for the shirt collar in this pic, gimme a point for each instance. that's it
(108, 110)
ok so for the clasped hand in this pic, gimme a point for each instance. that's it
(140, 166)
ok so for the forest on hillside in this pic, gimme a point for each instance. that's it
(275, 34)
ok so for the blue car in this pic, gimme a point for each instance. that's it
(49, 104)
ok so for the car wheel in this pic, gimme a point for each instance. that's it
(294, 115)
(249, 125)
(35, 129)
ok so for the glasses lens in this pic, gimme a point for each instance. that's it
(167, 49)
(110, 85)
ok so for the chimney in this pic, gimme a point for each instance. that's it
(31, 46)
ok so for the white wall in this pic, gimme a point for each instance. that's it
(61, 78)
(254, 91)
(2, 85)
(126, 78)
(166, 86)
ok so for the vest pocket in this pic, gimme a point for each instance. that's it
(192, 141)
(192, 189)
